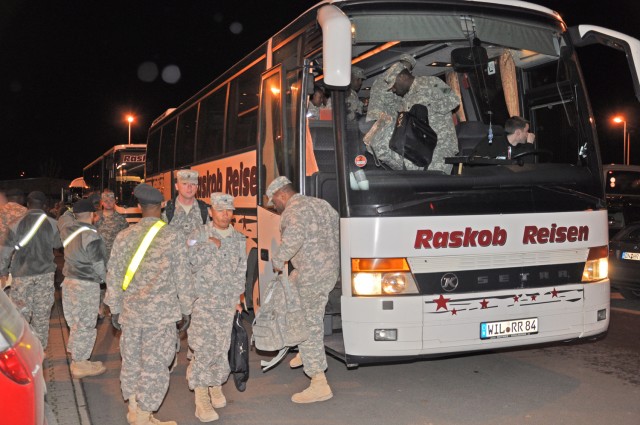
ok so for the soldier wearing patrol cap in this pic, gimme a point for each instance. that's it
(147, 298)
(355, 106)
(381, 100)
(309, 228)
(84, 270)
(27, 252)
(218, 257)
(185, 211)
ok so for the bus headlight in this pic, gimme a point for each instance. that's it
(382, 276)
(597, 264)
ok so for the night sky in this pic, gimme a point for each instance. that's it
(71, 70)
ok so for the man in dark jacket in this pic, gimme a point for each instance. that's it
(84, 269)
(27, 252)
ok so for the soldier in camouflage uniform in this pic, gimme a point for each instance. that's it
(186, 213)
(440, 101)
(31, 262)
(11, 209)
(355, 107)
(109, 223)
(310, 232)
(159, 295)
(218, 257)
(381, 100)
(84, 270)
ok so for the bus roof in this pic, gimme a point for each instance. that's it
(116, 148)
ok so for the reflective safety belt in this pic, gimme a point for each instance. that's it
(24, 241)
(139, 255)
(72, 236)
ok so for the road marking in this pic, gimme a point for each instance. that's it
(626, 310)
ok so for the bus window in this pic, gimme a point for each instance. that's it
(243, 108)
(153, 144)
(271, 130)
(211, 125)
(166, 146)
(186, 137)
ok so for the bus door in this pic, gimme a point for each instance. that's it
(274, 159)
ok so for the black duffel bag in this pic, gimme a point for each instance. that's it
(413, 138)
(239, 353)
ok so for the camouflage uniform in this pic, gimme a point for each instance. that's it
(382, 101)
(355, 106)
(33, 269)
(109, 226)
(84, 270)
(440, 100)
(310, 241)
(220, 280)
(157, 297)
(185, 221)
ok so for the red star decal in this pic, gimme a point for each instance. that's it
(533, 297)
(516, 298)
(484, 303)
(554, 293)
(442, 302)
(454, 312)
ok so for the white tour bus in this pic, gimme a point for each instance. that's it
(496, 253)
(120, 169)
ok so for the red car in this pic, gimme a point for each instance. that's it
(22, 385)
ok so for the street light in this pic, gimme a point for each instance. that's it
(130, 119)
(625, 146)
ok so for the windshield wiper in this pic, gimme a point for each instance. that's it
(560, 189)
(407, 204)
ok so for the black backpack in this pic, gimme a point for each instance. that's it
(413, 137)
(170, 210)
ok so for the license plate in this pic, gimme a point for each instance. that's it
(507, 328)
(631, 256)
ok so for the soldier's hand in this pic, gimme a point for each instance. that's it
(215, 241)
(114, 321)
(183, 325)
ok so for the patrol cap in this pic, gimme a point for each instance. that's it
(391, 74)
(36, 195)
(187, 176)
(83, 206)
(410, 61)
(147, 194)
(221, 201)
(277, 184)
(358, 72)
(108, 195)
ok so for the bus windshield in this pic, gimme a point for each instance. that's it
(497, 68)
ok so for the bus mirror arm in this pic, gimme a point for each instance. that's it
(585, 35)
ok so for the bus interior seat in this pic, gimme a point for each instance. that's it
(471, 133)
(322, 139)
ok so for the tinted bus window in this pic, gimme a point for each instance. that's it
(153, 146)
(186, 138)
(243, 108)
(166, 146)
(211, 125)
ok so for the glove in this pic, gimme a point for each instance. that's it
(183, 325)
(114, 321)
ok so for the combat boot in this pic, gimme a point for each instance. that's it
(319, 390)
(83, 368)
(146, 418)
(132, 408)
(204, 409)
(295, 362)
(218, 399)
